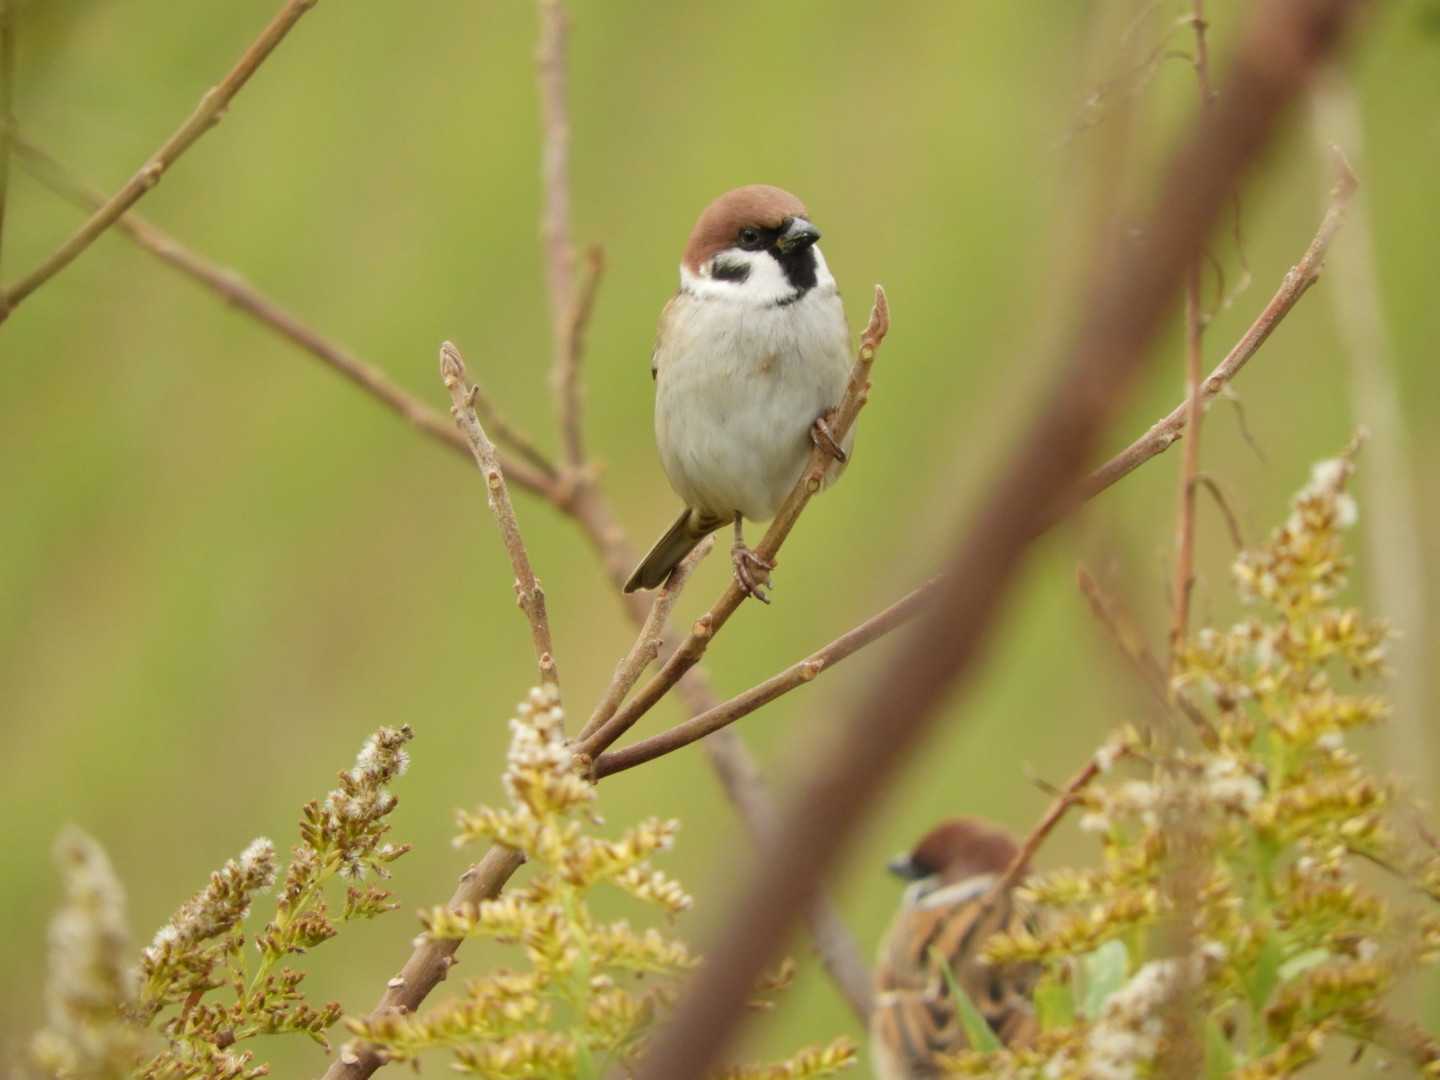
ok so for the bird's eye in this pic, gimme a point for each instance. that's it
(749, 238)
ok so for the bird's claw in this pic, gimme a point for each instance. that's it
(752, 571)
(824, 438)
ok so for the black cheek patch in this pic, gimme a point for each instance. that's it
(727, 271)
(800, 268)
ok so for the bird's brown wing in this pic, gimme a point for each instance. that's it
(915, 1019)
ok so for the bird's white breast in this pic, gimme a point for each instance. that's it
(739, 381)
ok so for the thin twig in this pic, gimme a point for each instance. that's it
(1020, 864)
(570, 395)
(234, 290)
(528, 594)
(511, 435)
(811, 480)
(1126, 635)
(207, 114)
(1184, 580)
(7, 108)
(1121, 314)
(552, 73)
(1298, 279)
(793, 677)
(647, 643)
(1217, 493)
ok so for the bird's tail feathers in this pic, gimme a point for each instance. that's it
(679, 540)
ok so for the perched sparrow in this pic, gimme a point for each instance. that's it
(944, 920)
(752, 353)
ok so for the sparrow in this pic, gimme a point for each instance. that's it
(751, 357)
(945, 917)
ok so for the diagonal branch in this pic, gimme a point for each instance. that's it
(1166, 431)
(207, 114)
(793, 677)
(1124, 310)
(528, 594)
(7, 106)
(648, 642)
(229, 286)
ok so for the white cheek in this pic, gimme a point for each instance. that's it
(765, 284)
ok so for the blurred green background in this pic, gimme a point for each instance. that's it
(221, 567)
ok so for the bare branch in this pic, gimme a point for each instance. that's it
(7, 109)
(1232, 523)
(569, 394)
(551, 65)
(1123, 312)
(1194, 357)
(431, 961)
(793, 677)
(647, 643)
(528, 594)
(1020, 864)
(1123, 631)
(207, 114)
(1164, 433)
(512, 436)
(234, 290)
(709, 624)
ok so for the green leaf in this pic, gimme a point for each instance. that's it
(1219, 1054)
(1261, 979)
(1054, 1004)
(977, 1031)
(1105, 972)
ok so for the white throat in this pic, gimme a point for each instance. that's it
(765, 282)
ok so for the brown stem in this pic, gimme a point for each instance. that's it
(7, 109)
(1164, 433)
(709, 624)
(528, 594)
(1217, 494)
(233, 289)
(1020, 864)
(647, 642)
(796, 675)
(1184, 581)
(1123, 311)
(431, 961)
(552, 73)
(1123, 631)
(207, 114)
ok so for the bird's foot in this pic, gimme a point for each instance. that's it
(752, 570)
(824, 438)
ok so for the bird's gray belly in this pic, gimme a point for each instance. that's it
(735, 439)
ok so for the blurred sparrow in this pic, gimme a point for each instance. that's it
(944, 921)
(752, 354)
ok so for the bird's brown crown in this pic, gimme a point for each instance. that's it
(964, 847)
(758, 206)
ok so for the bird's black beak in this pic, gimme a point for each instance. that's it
(797, 235)
(905, 868)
